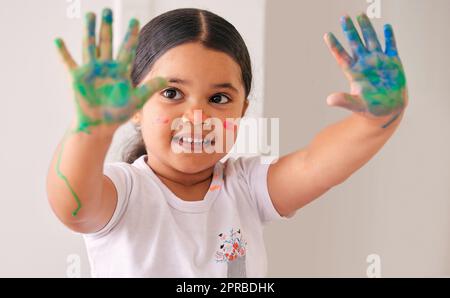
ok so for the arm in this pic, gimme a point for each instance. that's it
(342, 148)
(333, 155)
(79, 194)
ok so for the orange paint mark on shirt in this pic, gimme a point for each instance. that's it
(214, 187)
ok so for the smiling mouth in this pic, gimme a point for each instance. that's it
(193, 142)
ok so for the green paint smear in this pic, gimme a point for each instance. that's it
(58, 43)
(133, 22)
(383, 84)
(106, 86)
(64, 178)
(107, 16)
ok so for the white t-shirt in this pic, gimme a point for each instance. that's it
(153, 233)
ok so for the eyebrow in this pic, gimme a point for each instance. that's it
(220, 85)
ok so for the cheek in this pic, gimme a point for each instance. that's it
(230, 128)
(228, 125)
(156, 129)
(161, 120)
(154, 113)
(229, 135)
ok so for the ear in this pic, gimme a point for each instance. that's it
(136, 118)
(244, 109)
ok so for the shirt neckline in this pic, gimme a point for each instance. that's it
(186, 206)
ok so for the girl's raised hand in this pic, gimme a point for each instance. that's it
(104, 93)
(377, 80)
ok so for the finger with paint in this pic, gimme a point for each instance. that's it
(89, 48)
(65, 55)
(377, 79)
(128, 48)
(105, 50)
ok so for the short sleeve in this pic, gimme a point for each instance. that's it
(120, 175)
(255, 173)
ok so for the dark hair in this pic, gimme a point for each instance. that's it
(177, 27)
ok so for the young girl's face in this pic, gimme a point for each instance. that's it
(203, 82)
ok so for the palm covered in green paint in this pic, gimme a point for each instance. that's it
(377, 79)
(104, 93)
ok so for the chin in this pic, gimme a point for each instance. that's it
(192, 163)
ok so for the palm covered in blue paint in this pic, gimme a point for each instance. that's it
(103, 89)
(377, 79)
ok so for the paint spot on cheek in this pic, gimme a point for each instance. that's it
(228, 125)
(161, 120)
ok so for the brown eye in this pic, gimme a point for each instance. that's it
(219, 99)
(171, 93)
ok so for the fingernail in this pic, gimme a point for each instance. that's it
(107, 15)
(345, 18)
(89, 16)
(133, 22)
(388, 30)
(58, 42)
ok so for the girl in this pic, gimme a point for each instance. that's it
(170, 212)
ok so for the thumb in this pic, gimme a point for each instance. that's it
(347, 101)
(145, 91)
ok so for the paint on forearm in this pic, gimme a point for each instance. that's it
(64, 178)
(391, 121)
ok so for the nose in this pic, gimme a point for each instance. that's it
(196, 115)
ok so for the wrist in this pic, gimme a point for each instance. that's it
(384, 122)
(103, 131)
